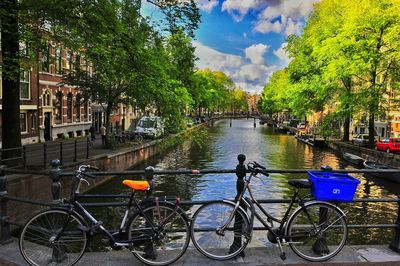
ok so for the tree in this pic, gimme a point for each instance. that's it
(11, 134)
(274, 97)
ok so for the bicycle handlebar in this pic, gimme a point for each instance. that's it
(82, 171)
(256, 168)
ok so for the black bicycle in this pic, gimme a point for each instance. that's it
(157, 233)
(316, 230)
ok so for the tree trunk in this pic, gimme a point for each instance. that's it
(108, 129)
(371, 128)
(346, 129)
(11, 129)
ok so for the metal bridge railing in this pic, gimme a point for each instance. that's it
(56, 174)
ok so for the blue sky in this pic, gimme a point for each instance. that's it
(246, 38)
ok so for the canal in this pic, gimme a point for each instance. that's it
(217, 146)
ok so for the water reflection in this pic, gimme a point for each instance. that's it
(218, 145)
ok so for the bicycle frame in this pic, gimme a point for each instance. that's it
(249, 203)
(76, 207)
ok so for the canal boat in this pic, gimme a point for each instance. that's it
(394, 177)
(305, 138)
(354, 159)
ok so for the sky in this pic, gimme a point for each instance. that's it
(246, 38)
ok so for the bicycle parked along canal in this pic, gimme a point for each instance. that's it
(157, 233)
(315, 231)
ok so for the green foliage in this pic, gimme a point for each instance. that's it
(346, 57)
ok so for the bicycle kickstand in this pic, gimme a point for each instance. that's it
(282, 253)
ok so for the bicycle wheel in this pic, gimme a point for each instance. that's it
(38, 245)
(317, 232)
(167, 243)
(223, 245)
(138, 138)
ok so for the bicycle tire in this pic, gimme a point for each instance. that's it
(207, 219)
(36, 237)
(317, 232)
(175, 239)
(138, 138)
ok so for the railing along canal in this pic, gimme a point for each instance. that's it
(56, 174)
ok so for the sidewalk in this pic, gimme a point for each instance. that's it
(350, 255)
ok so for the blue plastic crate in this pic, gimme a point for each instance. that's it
(333, 186)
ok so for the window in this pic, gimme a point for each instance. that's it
(23, 122)
(58, 107)
(24, 85)
(77, 61)
(86, 107)
(78, 108)
(58, 61)
(46, 60)
(33, 121)
(69, 107)
(46, 98)
(68, 60)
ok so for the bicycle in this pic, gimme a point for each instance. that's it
(315, 231)
(156, 234)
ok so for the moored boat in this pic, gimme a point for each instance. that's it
(354, 159)
(394, 177)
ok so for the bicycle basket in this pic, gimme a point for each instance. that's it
(333, 186)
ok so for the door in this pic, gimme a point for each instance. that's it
(47, 124)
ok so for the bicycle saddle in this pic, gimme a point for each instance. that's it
(300, 183)
(136, 185)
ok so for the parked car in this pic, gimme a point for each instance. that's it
(388, 145)
(360, 139)
(150, 127)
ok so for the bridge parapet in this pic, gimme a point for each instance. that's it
(56, 174)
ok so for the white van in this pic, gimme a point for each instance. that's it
(150, 127)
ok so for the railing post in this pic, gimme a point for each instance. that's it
(320, 246)
(45, 155)
(395, 245)
(55, 178)
(5, 234)
(149, 174)
(24, 155)
(240, 173)
(87, 148)
(61, 153)
(75, 151)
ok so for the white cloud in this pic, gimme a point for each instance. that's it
(215, 60)
(239, 8)
(249, 76)
(265, 26)
(294, 9)
(207, 5)
(256, 53)
(284, 16)
(282, 54)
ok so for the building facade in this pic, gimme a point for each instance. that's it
(50, 110)
(64, 112)
(28, 107)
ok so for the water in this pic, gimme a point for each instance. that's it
(218, 145)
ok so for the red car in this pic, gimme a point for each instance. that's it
(388, 145)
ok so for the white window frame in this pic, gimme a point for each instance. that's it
(29, 85)
(26, 122)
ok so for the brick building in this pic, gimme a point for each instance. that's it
(49, 110)
(28, 107)
(63, 111)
